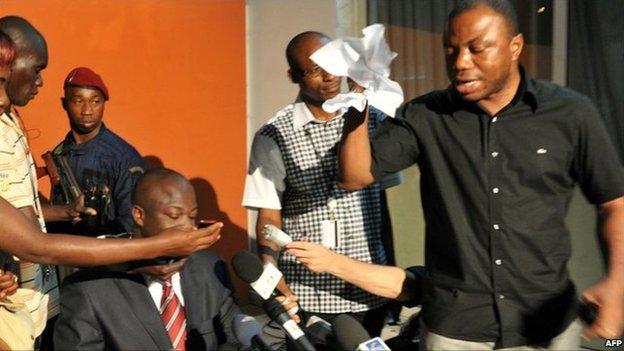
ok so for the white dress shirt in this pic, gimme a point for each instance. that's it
(155, 287)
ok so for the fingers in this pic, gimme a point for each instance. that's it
(167, 276)
(297, 253)
(608, 324)
(89, 211)
(208, 236)
(597, 330)
(290, 305)
(303, 245)
(589, 297)
(10, 291)
(79, 207)
(286, 302)
(8, 284)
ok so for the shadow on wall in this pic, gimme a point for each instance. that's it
(233, 237)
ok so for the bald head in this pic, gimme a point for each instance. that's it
(149, 188)
(23, 34)
(296, 43)
(162, 199)
(31, 58)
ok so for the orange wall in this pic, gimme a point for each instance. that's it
(175, 70)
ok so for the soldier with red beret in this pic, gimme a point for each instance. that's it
(104, 165)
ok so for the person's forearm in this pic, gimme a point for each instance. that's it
(613, 232)
(355, 153)
(55, 213)
(268, 251)
(84, 251)
(23, 238)
(385, 281)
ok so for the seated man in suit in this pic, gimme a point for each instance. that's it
(191, 309)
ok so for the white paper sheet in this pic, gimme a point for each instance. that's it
(367, 61)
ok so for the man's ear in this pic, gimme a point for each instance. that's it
(138, 214)
(64, 103)
(293, 76)
(516, 45)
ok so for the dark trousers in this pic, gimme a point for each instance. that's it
(372, 320)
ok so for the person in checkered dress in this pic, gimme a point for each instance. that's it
(292, 183)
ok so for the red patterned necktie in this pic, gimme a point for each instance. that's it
(173, 316)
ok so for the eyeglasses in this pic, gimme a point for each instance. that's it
(312, 72)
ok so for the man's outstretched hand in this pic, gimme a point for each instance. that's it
(181, 241)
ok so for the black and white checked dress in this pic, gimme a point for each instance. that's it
(309, 155)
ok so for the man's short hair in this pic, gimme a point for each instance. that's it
(504, 8)
(293, 47)
(7, 50)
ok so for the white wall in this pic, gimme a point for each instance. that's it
(270, 26)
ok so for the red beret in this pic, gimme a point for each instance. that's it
(85, 77)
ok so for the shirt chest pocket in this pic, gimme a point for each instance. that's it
(552, 162)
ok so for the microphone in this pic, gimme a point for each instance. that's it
(276, 235)
(263, 280)
(249, 332)
(352, 336)
(276, 312)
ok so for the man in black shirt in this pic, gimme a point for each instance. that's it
(499, 154)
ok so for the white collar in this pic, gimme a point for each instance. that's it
(302, 116)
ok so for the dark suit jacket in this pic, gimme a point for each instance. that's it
(115, 311)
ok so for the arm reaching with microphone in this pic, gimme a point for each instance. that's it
(386, 281)
(269, 251)
(22, 238)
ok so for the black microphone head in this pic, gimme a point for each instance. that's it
(247, 266)
(273, 308)
(349, 332)
(245, 328)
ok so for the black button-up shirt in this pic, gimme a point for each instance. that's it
(495, 191)
(109, 160)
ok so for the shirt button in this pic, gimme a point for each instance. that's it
(494, 119)
(501, 296)
(495, 190)
(494, 154)
(496, 226)
(498, 262)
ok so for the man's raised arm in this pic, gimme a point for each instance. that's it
(20, 237)
(354, 153)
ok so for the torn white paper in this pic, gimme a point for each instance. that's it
(367, 61)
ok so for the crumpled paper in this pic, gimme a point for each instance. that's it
(367, 61)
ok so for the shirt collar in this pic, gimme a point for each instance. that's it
(527, 93)
(70, 143)
(302, 116)
(6, 119)
(13, 120)
(151, 279)
(530, 89)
